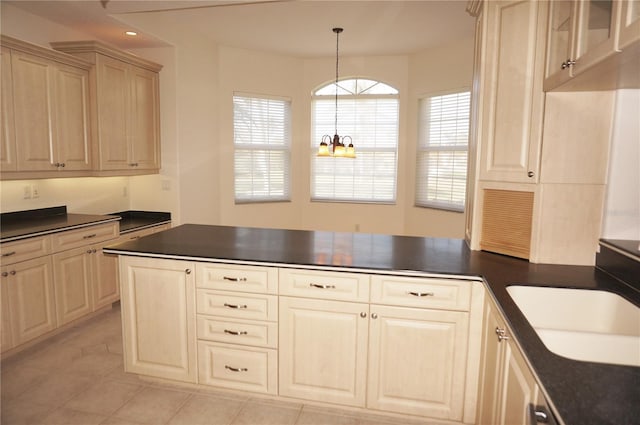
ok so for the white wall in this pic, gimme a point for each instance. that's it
(196, 88)
(622, 204)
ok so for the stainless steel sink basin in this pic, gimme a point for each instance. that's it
(581, 324)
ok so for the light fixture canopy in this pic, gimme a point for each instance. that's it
(336, 145)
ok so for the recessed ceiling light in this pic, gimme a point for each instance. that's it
(131, 33)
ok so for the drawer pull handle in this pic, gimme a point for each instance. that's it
(227, 331)
(235, 369)
(235, 305)
(9, 254)
(421, 294)
(93, 235)
(319, 286)
(234, 279)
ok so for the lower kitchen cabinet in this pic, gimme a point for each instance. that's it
(29, 287)
(417, 361)
(323, 350)
(72, 271)
(104, 276)
(508, 386)
(238, 367)
(159, 317)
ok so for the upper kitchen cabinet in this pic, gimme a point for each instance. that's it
(125, 110)
(629, 23)
(44, 112)
(583, 33)
(512, 104)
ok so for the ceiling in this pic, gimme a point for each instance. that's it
(296, 28)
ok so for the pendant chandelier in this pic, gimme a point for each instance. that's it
(336, 146)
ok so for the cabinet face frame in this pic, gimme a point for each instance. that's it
(629, 24)
(7, 137)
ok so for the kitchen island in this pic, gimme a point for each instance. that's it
(578, 392)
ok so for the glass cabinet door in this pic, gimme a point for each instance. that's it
(595, 25)
(630, 23)
(559, 36)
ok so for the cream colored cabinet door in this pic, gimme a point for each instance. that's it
(104, 277)
(507, 385)
(6, 336)
(145, 119)
(33, 91)
(31, 296)
(7, 134)
(113, 109)
(519, 388)
(128, 116)
(72, 279)
(323, 350)
(491, 372)
(417, 361)
(72, 145)
(158, 314)
(513, 100)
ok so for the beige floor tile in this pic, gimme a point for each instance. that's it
(56, 389)
(207, 411)
(51, 357)
(152, 406)
(317, 417)
(94, 364)
(254, 413)
(64, 416)
(105, 397)
(118, 421)
(18, 412)
(15, 380)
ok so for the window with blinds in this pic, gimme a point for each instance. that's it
(443, 141)
(262, 141)
(368, 112)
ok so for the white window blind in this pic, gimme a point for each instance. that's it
(368, 112)
(443, 141)
(262, 140)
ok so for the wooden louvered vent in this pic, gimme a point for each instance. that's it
(506, 222)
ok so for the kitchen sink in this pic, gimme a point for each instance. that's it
(582, 324)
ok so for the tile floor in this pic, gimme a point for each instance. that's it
(77, 377)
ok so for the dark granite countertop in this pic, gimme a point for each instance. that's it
(133, 220)
(581, 393)
(26, 224)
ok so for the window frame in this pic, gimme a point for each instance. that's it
(362, 152)
(284, 148)
(422, 150)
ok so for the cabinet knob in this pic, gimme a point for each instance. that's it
(5, 274)
(531, 174)
(88, 251)
(12, 272)
(188, 271)
(502, 334)
(363, 314)
(567, 64)
(374, 315)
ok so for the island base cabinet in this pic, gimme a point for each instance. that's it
(323, 350)
(239, 368)
(417, 361)
(158, 318)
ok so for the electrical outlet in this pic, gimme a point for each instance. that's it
(35, 191)
(26, 194)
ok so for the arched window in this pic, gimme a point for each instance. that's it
(368, 112)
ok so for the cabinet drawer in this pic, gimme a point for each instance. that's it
(237, 278)
(240, 368)
(243, 332)
(84, 236)
(421, 292)
(238, 306)
(25, 249)
(325, 285)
